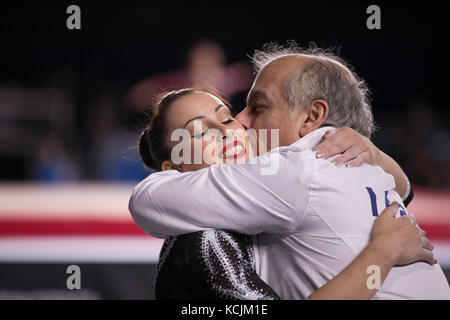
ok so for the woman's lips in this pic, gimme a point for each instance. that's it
(233, 150)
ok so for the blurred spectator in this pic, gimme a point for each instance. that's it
(420, 142)
(113, 149)
(205, 64)
(53, 162)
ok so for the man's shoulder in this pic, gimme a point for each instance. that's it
(293, 150)
(304, 144)
(327, 173)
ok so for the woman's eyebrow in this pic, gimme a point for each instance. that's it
(194, 118)
(218, 107)
(202, 117)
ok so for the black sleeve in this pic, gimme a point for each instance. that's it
(212, 264)
(409, 197)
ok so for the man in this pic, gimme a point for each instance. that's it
(313, 217)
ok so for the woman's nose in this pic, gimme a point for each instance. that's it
(244, 118)
(223, 131)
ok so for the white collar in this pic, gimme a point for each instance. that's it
(312, 139)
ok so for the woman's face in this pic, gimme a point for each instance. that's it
(211, 134)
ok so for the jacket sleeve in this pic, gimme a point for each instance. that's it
(242, 197)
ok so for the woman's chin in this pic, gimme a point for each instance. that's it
(241, 159)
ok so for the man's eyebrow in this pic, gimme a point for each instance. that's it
(258, 94)
(202, 117)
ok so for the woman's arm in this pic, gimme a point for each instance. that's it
(212, 264)
(395, 241)
(402, 185)
(356, 149)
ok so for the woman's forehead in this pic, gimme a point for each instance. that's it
(193, 105)
(202, 99)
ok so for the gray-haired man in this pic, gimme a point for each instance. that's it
(313, 218)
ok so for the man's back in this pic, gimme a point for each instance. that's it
(320, 216)
(342, 206)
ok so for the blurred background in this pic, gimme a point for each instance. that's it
(72, 103)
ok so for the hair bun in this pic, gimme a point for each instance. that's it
(145, 150)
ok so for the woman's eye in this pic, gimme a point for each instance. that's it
(228, 121)
(200, 135)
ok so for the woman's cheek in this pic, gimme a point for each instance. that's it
(208, 152)
(197, 160)
(250, 147)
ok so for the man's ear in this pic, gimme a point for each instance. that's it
(168, 165)
(314, 116)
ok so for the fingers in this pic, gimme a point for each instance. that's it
(359, 160)
(334, 142)
(409, 220)
(328, 149)
(426, 244)
(427, 256)
(413, 220)
(349, 154)
(422, 232)
(352, 148)
(330, 132)
(390, 211)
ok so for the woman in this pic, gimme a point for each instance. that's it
(193, 266)
(210, 264)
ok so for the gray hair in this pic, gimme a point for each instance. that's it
(326, 76)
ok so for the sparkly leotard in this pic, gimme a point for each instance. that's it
(212, 264)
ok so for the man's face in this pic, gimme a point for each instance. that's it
(267, 107)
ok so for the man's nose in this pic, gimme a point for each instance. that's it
(244, 118)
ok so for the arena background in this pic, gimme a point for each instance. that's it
(71, 105)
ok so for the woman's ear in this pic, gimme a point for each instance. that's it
(315, 116)
(168, 165)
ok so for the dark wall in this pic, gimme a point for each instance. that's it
(122, 42)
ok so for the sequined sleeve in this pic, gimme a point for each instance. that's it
(211, 264)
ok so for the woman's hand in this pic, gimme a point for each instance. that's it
(355, 149)
(400, 239)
